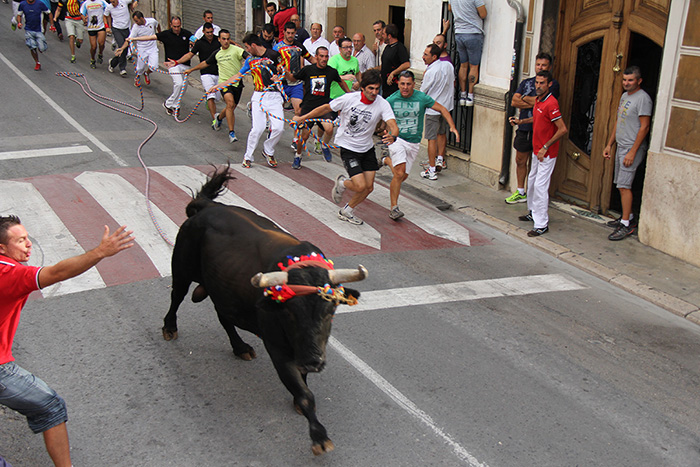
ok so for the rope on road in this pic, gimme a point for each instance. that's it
(275, 86)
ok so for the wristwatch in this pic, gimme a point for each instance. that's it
(545, 146)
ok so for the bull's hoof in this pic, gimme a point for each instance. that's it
(325, 446)
(246, 355)
(298, 409)
(169, 335)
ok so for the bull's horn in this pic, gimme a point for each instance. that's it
(338, 276)
(269, 279)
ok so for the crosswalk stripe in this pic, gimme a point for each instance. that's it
(127, 206)
(52, 239)
(7, 155)
(428, 219)
(461, 291)
(190, 180)
(306, 200)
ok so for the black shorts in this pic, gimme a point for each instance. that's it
(235, 90)
(523, 141)
(94, 33)
(358, 162)
(310, 125)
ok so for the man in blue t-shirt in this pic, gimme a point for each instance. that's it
(33, 36)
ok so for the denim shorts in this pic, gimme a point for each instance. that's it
(35, 40)
(25, 393)
(469, 47)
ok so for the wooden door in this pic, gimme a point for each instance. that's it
(592, 50)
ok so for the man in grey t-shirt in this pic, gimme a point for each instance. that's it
(631, 130)
(469, 35)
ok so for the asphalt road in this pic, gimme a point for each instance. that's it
(475, 367)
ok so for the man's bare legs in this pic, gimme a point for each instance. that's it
(56, 440)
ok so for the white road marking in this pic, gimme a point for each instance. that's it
(127, 206)
(93, 139)
(190, 180)
(323, 210)
(52, 240)
(44, 152)
(461, 291)
(404, 402)
(428, 219)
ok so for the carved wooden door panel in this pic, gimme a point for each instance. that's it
(592, 45)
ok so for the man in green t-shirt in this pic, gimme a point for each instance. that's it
(409, 108)
(229, 60)
(347, 66)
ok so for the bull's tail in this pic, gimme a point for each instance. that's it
(214, 186)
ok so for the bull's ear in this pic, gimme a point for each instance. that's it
(352, 293)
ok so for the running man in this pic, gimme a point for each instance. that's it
(33, 37)
(74, 23)
(359, 114)
(293, 54)
(228, 59)
(209, 74)
(176, 44)
(263, 64)
(409, 107)
(317, 81)
(118, 17)
(93, 13)
(147, 51)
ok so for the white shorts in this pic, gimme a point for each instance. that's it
(74, 28)
(403, 152)
(208, 82)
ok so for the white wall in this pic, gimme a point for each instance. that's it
(499, 28)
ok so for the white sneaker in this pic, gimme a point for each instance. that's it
(462, 99)
(338, 189)
(123, 73)
(469, 101)
(343, 215)
(429, 175)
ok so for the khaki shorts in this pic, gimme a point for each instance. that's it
(74, 28)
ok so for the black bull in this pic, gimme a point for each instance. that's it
(222, 248)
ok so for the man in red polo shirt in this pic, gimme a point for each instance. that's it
(19, 389)
(547, 129)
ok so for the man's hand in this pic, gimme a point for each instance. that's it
(171, 63)
(112, 244)
(629, 159)
(513, 121)
(606, 152)
(454, 131)
(390, 79)
(541, 154)
(388, 138)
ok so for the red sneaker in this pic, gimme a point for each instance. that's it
(37, 67)
(146, 78)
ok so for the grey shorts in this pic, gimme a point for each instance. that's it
(624, 176)
(469, 47)
(434, 125)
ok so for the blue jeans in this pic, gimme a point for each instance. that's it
(25, 393)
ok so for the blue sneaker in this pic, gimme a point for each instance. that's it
(297, 163)
(327, 154)
(232, 137)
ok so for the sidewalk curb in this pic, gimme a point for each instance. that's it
(661, 299)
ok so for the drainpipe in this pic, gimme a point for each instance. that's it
(514, 73)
